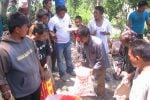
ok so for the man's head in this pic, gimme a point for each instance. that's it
(142, 5)
(23, 7)
(78, 21)
(61, 11)
(98, 12)
(84, 34)
(42, 16)
(127, 37)
(41, 31)
(47, 4)
(139, 53)
(18, 24)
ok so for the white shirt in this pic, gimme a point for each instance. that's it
(61, 25)
(141, 86)
(105, 27)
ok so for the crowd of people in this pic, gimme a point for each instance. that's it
(28, 51)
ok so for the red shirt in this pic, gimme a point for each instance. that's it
(76, 37)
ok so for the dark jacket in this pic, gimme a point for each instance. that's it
(124, 60)
(19, 66)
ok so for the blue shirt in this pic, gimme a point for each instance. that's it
(138, 20)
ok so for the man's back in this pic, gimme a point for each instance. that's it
(141, 85)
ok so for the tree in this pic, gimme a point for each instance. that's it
(80, 7)
(4, 5)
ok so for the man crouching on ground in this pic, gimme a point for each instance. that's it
(19, 66)
(96, 59)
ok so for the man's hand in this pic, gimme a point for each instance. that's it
(6, 92)
(118, 71)
(43, 75)
(54, 37)
(94, 33)
(92, 71)
(129, 76)
(7, 95)
(104, 33)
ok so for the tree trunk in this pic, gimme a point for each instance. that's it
(29, 8)
(4, 5)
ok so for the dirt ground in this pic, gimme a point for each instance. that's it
(66, 87)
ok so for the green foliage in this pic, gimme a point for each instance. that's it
(4, 22)
(35, 6)
(80, 7)
(133, 3)
(113, 7)
(116, 11)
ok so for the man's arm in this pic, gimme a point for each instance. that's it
(51, 26)
(92, 31)
(129, 21)
(48, 53)
(109, 29)
(82, 55)
(40, 66)
(100, 52)
(4, 68)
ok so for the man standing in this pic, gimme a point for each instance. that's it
(96, 59)
(12, 7)
(100, 26)
(19, 64)
(61, 22)
(47, 5)
(140, 57)
(137, 19)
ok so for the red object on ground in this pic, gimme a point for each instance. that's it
(70, 98)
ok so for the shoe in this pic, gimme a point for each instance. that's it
(72, 73)
(63, 78)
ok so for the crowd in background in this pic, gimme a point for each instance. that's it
(29, 50)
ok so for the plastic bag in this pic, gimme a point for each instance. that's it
(47, 88)
(83, 85)
(123, 89)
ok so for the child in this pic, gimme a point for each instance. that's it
(41, 17)
(78, 23)
(12, 7)
(41, 39)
